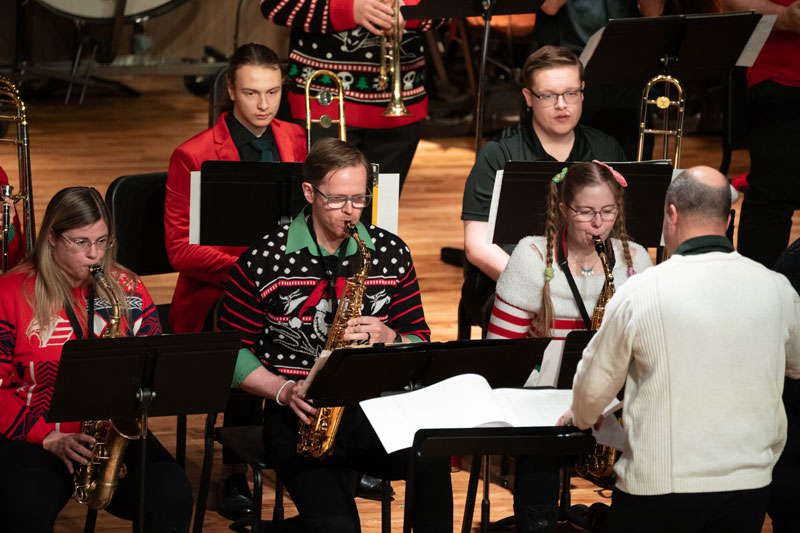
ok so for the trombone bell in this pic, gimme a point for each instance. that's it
(324, 98)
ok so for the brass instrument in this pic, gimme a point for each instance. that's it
(9, 97)
(324, 98)
(598, 465)
(664, 103)
(390, 66)
(317, 438)
(96, 481)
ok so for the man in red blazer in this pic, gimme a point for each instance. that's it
(254, 87)
(246, 131)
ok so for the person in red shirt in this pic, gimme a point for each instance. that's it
(245, 131)
(16, 240)
(773, 124)
(47, 300)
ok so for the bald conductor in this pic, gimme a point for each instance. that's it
(701, 343)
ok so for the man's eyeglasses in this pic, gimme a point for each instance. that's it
(83, 245)
(359, 201)
(549, 100)
(585, 214)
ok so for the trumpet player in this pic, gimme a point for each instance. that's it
(703, 416)
(16, 241)
(345, 36)
(47, 300)
(281, 297)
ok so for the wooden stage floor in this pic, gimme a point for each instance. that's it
(111, 136)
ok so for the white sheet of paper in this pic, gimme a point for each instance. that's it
(388, 202)
(194, 207)
(498, 184)
(756, 41)
(463, 401)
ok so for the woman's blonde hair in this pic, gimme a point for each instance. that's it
(578, 176)
(70, 208)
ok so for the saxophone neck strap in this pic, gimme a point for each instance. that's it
(561, 254)
(330, 275)
(73, 319)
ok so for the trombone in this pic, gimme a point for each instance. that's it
(324, 98)
(9, 97)
(664, 103)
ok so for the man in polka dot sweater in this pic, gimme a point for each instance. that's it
(281, 297)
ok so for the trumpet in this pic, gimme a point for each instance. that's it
(324, 98)
(9, 97)
(390, 66)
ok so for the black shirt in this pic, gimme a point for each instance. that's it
(520, 143)
(704, 244)
(241, 138)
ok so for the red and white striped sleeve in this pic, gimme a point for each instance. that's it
(509, 322)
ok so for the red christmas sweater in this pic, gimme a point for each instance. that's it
(29, 360)
(325, 36)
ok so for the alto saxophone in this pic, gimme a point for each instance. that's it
(598, 466)
(96, 481)
(317, 438)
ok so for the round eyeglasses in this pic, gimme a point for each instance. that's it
(359, 201)
(586, 214)
(83, 245)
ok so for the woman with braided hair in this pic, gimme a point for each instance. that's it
(535, 298)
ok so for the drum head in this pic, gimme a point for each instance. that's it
(103, 10)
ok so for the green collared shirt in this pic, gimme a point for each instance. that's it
(704, 244)
(299, 237)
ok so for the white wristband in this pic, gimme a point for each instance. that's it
(278, 396)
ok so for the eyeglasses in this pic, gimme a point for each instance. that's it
(549, 100)
(359, 201)
(585, 214)
(83, 245)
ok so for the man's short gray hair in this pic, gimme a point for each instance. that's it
(692, 197)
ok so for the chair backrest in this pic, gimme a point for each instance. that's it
(219, 90)
(137, 206)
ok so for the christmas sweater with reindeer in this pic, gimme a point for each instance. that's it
(29, 357)
(325, 36)
(278, 294)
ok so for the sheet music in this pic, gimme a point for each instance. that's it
(756, 41)
(591, 45)
(498, 184)
(463, 401)
(194, 207)
(387, 203)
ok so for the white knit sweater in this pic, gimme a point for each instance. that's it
(701, 343)
(521, 283)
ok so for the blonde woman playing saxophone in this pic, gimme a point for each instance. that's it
(47, 300)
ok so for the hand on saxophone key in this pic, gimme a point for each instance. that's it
(376, 16)
(69, 447)
(368, 329)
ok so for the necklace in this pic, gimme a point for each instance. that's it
(587, 271)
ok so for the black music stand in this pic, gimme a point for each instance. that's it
(521, 203)
(392, 368)
(687, 47)
(381, 369)
(564, 440)
(262, 195)
(434, 9)
(122, 378)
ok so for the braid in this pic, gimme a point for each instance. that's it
(622, 235)
(547, 313)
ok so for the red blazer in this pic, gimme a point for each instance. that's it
(16, 247)
(203, 270)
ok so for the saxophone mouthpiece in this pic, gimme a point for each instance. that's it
(598, 244)
(96, 270)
